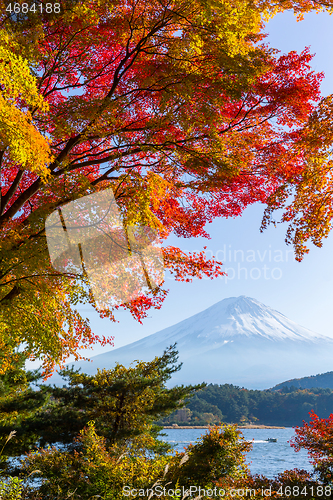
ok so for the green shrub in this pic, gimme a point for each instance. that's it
(95, 469)
(11, 490)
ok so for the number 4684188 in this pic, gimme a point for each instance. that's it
(24, 8)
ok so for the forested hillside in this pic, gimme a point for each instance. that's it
(231, 404)
(324, 380)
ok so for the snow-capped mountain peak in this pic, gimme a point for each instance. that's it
(234, 318)
(244, 316)
(238, 341)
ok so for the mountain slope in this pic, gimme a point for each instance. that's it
(238, 340)
(322, 380)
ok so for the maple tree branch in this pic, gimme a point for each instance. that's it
(25, 223)
(57, 57)
(20, 201)
(88, 163)
(135, 53)
(116, 80)
(86, 154)
(157, 147)
(35, 186)
(10, 192)
(105, 177)
(15, 291)
(45, 275)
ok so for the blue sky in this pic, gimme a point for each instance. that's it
(259, 265)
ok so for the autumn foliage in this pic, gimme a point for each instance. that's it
(316, 437)
(179, 107)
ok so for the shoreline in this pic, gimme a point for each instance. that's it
(249, 426)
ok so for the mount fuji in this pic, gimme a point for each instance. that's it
(238, 341)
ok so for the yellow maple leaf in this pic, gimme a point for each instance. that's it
(19, 93)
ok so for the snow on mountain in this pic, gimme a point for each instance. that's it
(238, 341)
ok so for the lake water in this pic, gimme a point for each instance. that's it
(265, 458)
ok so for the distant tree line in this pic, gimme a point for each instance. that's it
(288, 406)
(324, 380)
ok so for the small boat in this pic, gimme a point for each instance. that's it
(271, 440)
